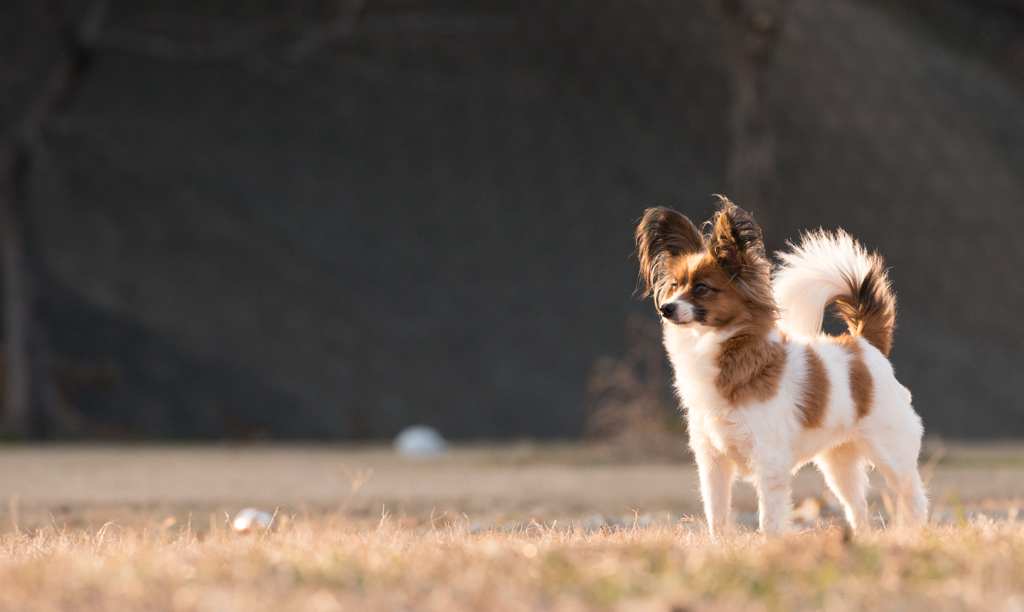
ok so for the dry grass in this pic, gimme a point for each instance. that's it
(137, 528)
(328, 564)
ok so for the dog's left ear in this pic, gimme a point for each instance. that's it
(736, 240)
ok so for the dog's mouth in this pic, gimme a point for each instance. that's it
(685, 323)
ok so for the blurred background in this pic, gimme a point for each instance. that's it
(332, 219)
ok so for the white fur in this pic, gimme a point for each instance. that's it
(766, 442)
(815, 273)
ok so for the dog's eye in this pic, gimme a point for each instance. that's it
(700, 289)
(674, 284)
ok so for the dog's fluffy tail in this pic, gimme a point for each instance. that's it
(826, 269)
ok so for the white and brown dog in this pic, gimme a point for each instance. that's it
(765, 391)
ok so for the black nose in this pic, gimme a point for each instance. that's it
(669, 309)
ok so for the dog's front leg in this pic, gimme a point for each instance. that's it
(716, 474)
(775, 498)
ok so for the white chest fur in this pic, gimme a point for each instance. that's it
(711, 419)
(694, 356)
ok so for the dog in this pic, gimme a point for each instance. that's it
(764, 391)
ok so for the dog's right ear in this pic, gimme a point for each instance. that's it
(663, 233)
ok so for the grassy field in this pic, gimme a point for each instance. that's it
(331, 564)
(145, 528)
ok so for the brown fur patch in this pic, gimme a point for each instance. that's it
(870, 308)
(817, 388)
(862, 386)
(751, 367)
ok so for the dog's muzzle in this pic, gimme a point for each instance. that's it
(677, 312)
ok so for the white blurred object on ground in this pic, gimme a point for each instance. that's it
(419, 441)
(252, 519)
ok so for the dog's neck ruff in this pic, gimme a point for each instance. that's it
(698, 355)
(694, 353)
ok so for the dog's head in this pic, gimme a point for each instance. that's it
(712, 280)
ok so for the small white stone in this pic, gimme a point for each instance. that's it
(252, 519)
(419, 441)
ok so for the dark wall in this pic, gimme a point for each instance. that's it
(431, 219)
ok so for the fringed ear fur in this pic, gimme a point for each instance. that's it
(736, 241)
(663, 233)
(736, 245)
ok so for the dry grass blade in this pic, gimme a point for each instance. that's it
(317, 565)
(928, 470)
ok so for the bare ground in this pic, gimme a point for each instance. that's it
(89, 485)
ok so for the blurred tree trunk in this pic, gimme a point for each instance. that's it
(30, 407)
(16, 307)
(753, 29)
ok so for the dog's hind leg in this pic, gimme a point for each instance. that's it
(905, 481)
(913, 501)
(846, 474)
(716, 476)
(899, 466)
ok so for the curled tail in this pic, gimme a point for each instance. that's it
(835, 269)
